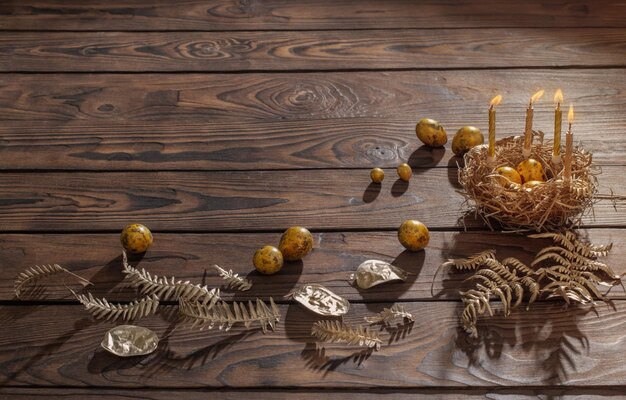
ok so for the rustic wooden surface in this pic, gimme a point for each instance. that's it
(220, 123)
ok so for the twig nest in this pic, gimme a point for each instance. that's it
(545, 201)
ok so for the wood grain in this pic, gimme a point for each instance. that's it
(457, 97)
(523, 393)
(288, 15)
(545, 346)
(319, 50)
(336, 256)
(247, 201)
(250, 121)
(326, 143)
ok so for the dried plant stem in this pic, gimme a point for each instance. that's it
(33, 274)
(232, 279)
(568, 270)
(224, 316)
(388, 315)
(338, 332)
(103, 309)
(168, 288)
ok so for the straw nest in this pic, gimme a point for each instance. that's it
(554, 205)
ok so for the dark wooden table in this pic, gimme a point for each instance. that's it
(219, 124)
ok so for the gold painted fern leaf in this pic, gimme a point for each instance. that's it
(31, 275)
(233, 280)
(388, 315)
(103, 309)
(338, 332)
(224, 316)
(472, 262)
(168, 288)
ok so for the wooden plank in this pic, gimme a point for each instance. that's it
(336, 256)
(252, 121)
(99, 15)
(246, 98)
(545, 346)
(565, 393)
(329, 143)
(314, 50)
(247, 201)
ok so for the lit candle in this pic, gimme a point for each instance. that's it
(528, 132)
(569, 147)
(558, 116)
(492, 127)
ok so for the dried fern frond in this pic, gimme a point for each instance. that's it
(225, 316)
(168, 288)
(509, 281)
(388, 315)
(473, 262)
(571, 242)
(233, 280)
(102, 309)
(338, 332)
(33, 274)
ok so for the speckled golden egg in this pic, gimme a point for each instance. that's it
(136, 238)
(404, 171)
(377, 175)
(509, 175)
(530, 185)
(431, 133)
(295, 243)
(413, 235)
(531, 170)
(466, 138)
(268, 260)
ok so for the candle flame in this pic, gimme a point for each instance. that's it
(558, 97)
(570, 114)
(496, 100)
(537, 96)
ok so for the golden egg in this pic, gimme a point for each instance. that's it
(508, 175)
(136, 238)
(413, 235)
(531, 184)
(404, 172)
(531, 170)
(295, 243)
(466, 138)
(431, 132)
(377, 175)
(268, 260)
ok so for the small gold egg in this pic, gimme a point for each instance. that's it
(136, 238)
(413, 235)
(530, 185)
(531, 170)
(295, 243)
(377, 175)
(508, 175)
(404, 172)
(431, 133)
(268, 260)
(466, 138)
